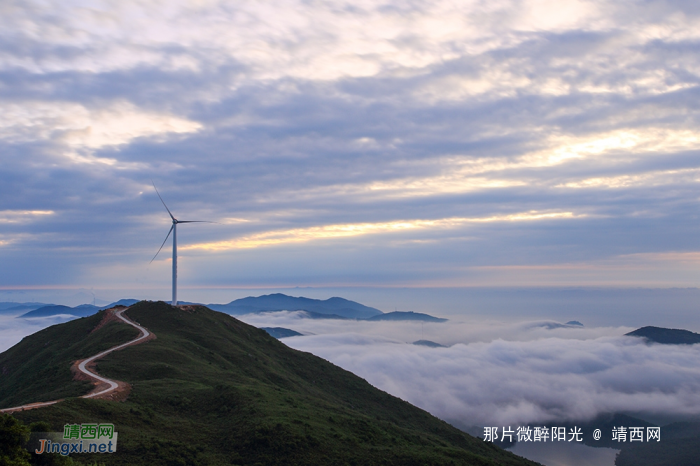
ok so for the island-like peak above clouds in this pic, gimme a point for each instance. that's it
(399, 315)
(281, 302)
(429, 344)
(667, 336)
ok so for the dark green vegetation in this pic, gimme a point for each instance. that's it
(13, 436)
(281, 302)
(38, 367)
(13, 439)
(667, 336)
(212, 390)
(280, 332)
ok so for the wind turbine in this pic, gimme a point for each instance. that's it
(173, 230)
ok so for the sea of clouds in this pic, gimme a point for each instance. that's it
(516, 373)
(13, 329)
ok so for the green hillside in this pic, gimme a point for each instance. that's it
(212, 390)
(38, 367)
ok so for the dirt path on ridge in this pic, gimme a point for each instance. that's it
(105, 388)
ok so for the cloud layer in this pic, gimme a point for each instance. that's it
(519, 374)
(12, 330)
(403, 142)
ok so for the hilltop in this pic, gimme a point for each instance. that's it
(213, 390)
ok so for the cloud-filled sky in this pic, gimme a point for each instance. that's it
(364, 143)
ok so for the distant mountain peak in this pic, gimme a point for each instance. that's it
(666, 336)
(407, 315)
(428, 343)
(282, 302)
(82, 310)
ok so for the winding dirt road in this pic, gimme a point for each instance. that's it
(104, 386)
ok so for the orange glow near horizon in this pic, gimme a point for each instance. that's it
(299, 235)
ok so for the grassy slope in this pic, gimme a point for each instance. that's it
(212, 390)
(38, 367)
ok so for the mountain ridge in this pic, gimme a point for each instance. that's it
(281, 302)
(82, 310)
(402, 315)
(331, 308)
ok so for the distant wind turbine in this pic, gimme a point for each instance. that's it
(173, 230)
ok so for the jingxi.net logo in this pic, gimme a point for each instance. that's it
(76, 438)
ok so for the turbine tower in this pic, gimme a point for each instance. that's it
(173, 230)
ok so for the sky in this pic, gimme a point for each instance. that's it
(349, 144)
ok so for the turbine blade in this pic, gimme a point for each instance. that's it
(194, 221)
(161, 246)
(161, 200)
